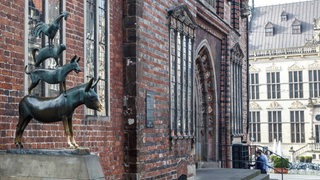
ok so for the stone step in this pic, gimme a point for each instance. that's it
(227, 173)
(261, 177)
(253, 175)
(208, 164)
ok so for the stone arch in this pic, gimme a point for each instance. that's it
(206, 109)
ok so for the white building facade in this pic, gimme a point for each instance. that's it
(285, 79)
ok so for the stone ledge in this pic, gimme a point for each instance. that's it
(65, 152)
(49, 164)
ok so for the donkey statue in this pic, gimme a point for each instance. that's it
(54, 109)
(53, 76)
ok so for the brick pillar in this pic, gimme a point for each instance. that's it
(235, 14)
(130, 90)
(220, 8)
(225, 149)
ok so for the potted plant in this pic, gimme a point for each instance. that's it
(280, 164)
(301, 159)
(308, 159)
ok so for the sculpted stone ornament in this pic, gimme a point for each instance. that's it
(54, 109)
(50, 30)
(53, 76)
(47, 52)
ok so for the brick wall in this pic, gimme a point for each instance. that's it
(11, 68)
(149, 152)
(103, 137)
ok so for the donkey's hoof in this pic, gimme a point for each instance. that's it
(18, 145)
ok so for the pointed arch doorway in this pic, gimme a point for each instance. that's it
(206, 123)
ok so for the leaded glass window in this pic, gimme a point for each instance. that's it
(236, 90)
(96, 64)
(43, 11)
(181, 75)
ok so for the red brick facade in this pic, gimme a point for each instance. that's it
(139, 63)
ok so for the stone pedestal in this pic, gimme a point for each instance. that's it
(63, 164)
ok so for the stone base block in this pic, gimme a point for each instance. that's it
(66, 164)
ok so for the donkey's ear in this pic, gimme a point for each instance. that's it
(89, 85)
(74, 58)
(78, 59)
(96, 82)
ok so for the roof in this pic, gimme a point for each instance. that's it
(299, 12)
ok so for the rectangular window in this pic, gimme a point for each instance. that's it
(181, 79)
(296, 29)
(295, 84)
(273, 85)
(274, 125)
(314, 83)
(284, 17)
(317, 128)
(236, 100)
(255, 126)
(269, 31)
(96, 51)
(46, 12)
(254, 86)
(297, 126)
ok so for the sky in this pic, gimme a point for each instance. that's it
(258, 3)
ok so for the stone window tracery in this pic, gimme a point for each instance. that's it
(182, 32)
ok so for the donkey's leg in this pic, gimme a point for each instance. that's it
(21, 126)
(71, 132)
(17, 139)
(67, 132)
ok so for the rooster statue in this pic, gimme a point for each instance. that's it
(49, 30)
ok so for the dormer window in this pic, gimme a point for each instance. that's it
(296, 27)
(284, 16)
(269, 29)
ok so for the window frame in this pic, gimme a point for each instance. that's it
(296, 29)
(254, 90)
(269, 31)
(314, 83)
(236, 90)
(181, 43)
(103, 86)
(273, 85)
(255, 125)
(297, 126)
(275, 125)
(295, 84)
(42, 89)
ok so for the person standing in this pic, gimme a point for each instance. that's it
(261, 162)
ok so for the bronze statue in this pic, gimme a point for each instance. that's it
(47, 52)
(53, 76)
(60, 108)
(49, 30)
(54, 109)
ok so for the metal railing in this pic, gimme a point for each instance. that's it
(250, 161)
(267, 151)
